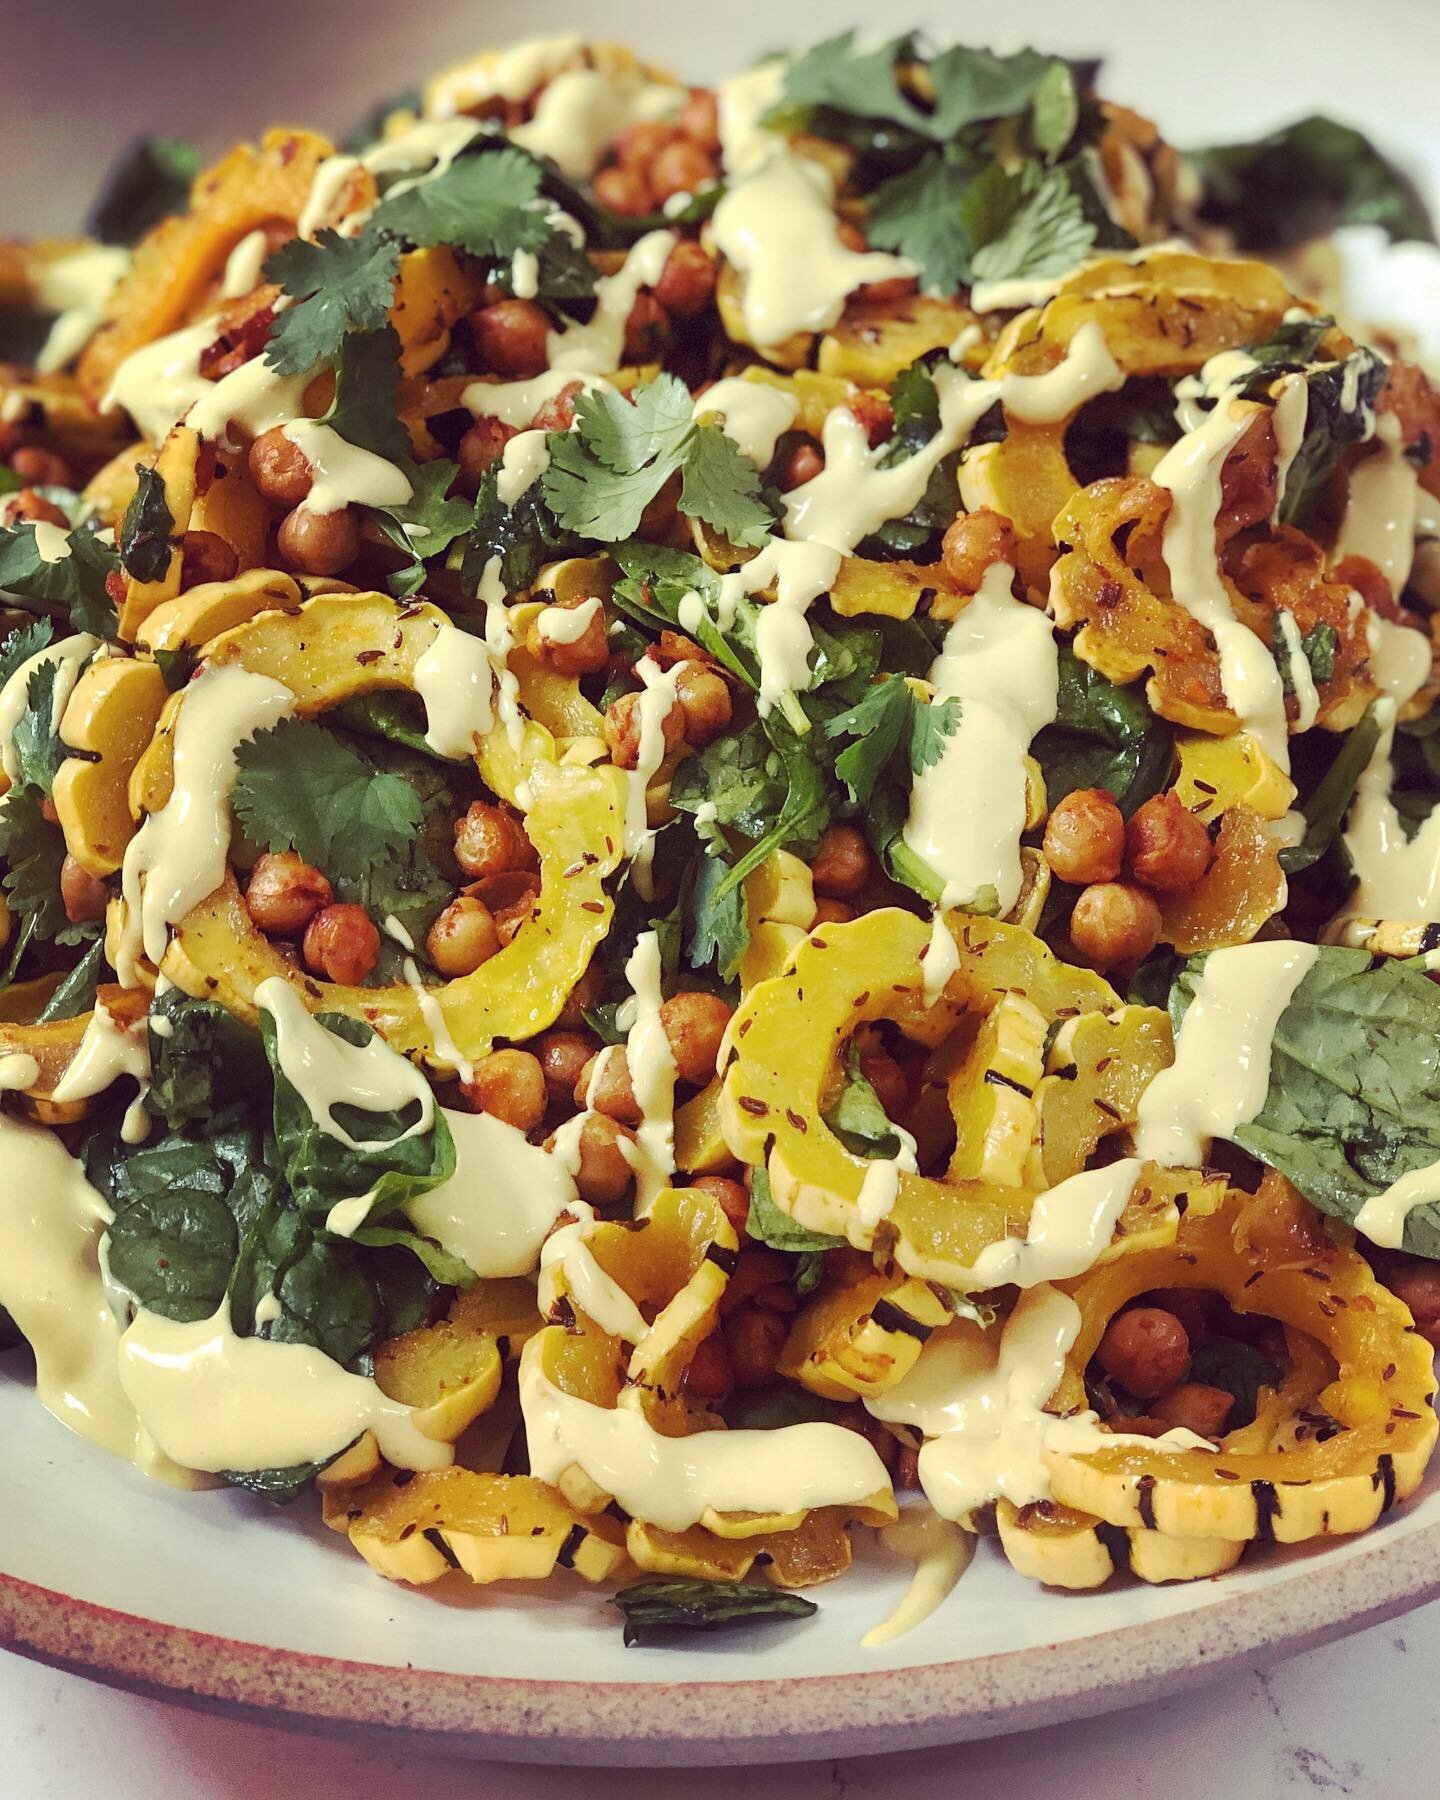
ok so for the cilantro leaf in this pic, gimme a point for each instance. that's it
(518, 539)
(974, 84)
(73, 584)
(931, 726)
(299, 788)
(1054, 110)
(1046, 234)
(426, 526)
(722, 487)
(21, 644)
(341, 284)
(482, 204)
(919, 213)
(879, 722)
(147, 530)
(35, 739)
(34, 850)
(719, 930)
(365, 410)
(837, 75)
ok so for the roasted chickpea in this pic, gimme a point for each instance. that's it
(604, 1173)
(623, 730)
(1195, 1407)
(605, 1086)
(489, 840)
(319, 543)
(754, 1340)
(708, 1375)
(1146, 1350)
(1114, 924)
(687, 282)
(34, 467)
(512, 338)
(803, 464)
(510, 1085)
(1167, 849)
(462, 938)
(280, 469)
(480, 448)
(285, 893)
(636, 146)
(832, 912)
(841, 866)
(585, 994)
(32, 507)
(700, 119)
(876, 414)
(564, 1056)
(680, 168)
(694, 1025)
(647, 330)
(84, 895)
(972, 543)
(733, 1200)
(624, 190)
(206, 557)
(1417, 1283)
(558, 412)
(341, 944)
(567, 655)
(1085, 837)
(704, 701)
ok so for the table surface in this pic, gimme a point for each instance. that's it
(1361, 1717)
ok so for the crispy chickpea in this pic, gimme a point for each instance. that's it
(1195, 1308)
(511, 338)
(680, 168)
(480, 448)
(647, 330)
(342, 944)
(604, 1085)
(841, 866)
(509, 1085)
(28, 505)
(754, 1340)
(1195, 1407)
(803, 464)
(319, 543)
(585, 994)
(281, 470)
(623, 730)
(563, 1059)
(700, 119)
(463, 937)
(704, 701)
(877, 415)
(694, 1025)
(1085, 837)
(636, 146)
(687, 281)
(206, 557)
(730, 1195)
(578, 656)
(1146, 1350)
(603, 1173)
(708, 1375)
(625, 191)
(972, 543)
(832, 912)
(35, 467)
(489, 840)
(1114, 923)
(1167, 849)
(285, 893)
(558, 412)
(84, 895)
(1417, 1283)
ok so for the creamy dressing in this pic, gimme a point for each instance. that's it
(1221, 1072)
(445, 1053)
(1297, 665)
(455, 679)
(741, 103)
(18, 1071)
(1382, 1217)
(671, 1481)
(68, 658)
(799, 573)
(253, 397)
(657, 696)
(967, 810)
(778, 227)
(215, 1401)
(109, 1049)
(516, 403)
(581, 112)
(1086, 370)
(941, 1552)
(881, 1186)
(1382, 507)
(512, 74)
(244, 263)
(598, 347)
(567, 1266)
(567, 624)
(344, 474)
(159, 383)
(522, 462)
(178, 855)
(942, 957)
(652, 1075)
(1070, 1225)
(752, 415)
(496, 1209)
(52, 542)
(77, 287)
(1292, 410)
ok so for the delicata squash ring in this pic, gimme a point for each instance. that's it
(334, 648)
(787, 1042)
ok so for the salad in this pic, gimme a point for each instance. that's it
(718, 827)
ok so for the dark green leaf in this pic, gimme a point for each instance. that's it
(74, 584)
(202, 1059)
(920, 213)
(1047, 234)
(33, 851)
(479, 204)
(655, 1609)
(518, 540)
(768, 1225)
(719, 931)
(76, 993)
(858, 1119)
(1236, 1367)
(1327, 803)
(35, 740)
(149, 182)
(1104, 736)
(21, 644)
(365, 410)
(148, 528)
(341, 284)
(721, 486)
(425, 526)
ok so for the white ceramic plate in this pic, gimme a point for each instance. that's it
(214, 1598)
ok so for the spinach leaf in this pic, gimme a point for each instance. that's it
(1236, 1367)
(151, 180)
(1328, 800)
(202, 1059)
(858, 1119)
(76, 993)
(517, 540)
(655, 1609)
(147, 530)
(767, 1224)
(1104, 736)
(1339, 413)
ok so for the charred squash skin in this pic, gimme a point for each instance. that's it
(331, 649)
(1381, 1398)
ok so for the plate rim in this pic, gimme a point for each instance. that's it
(783, 1719)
